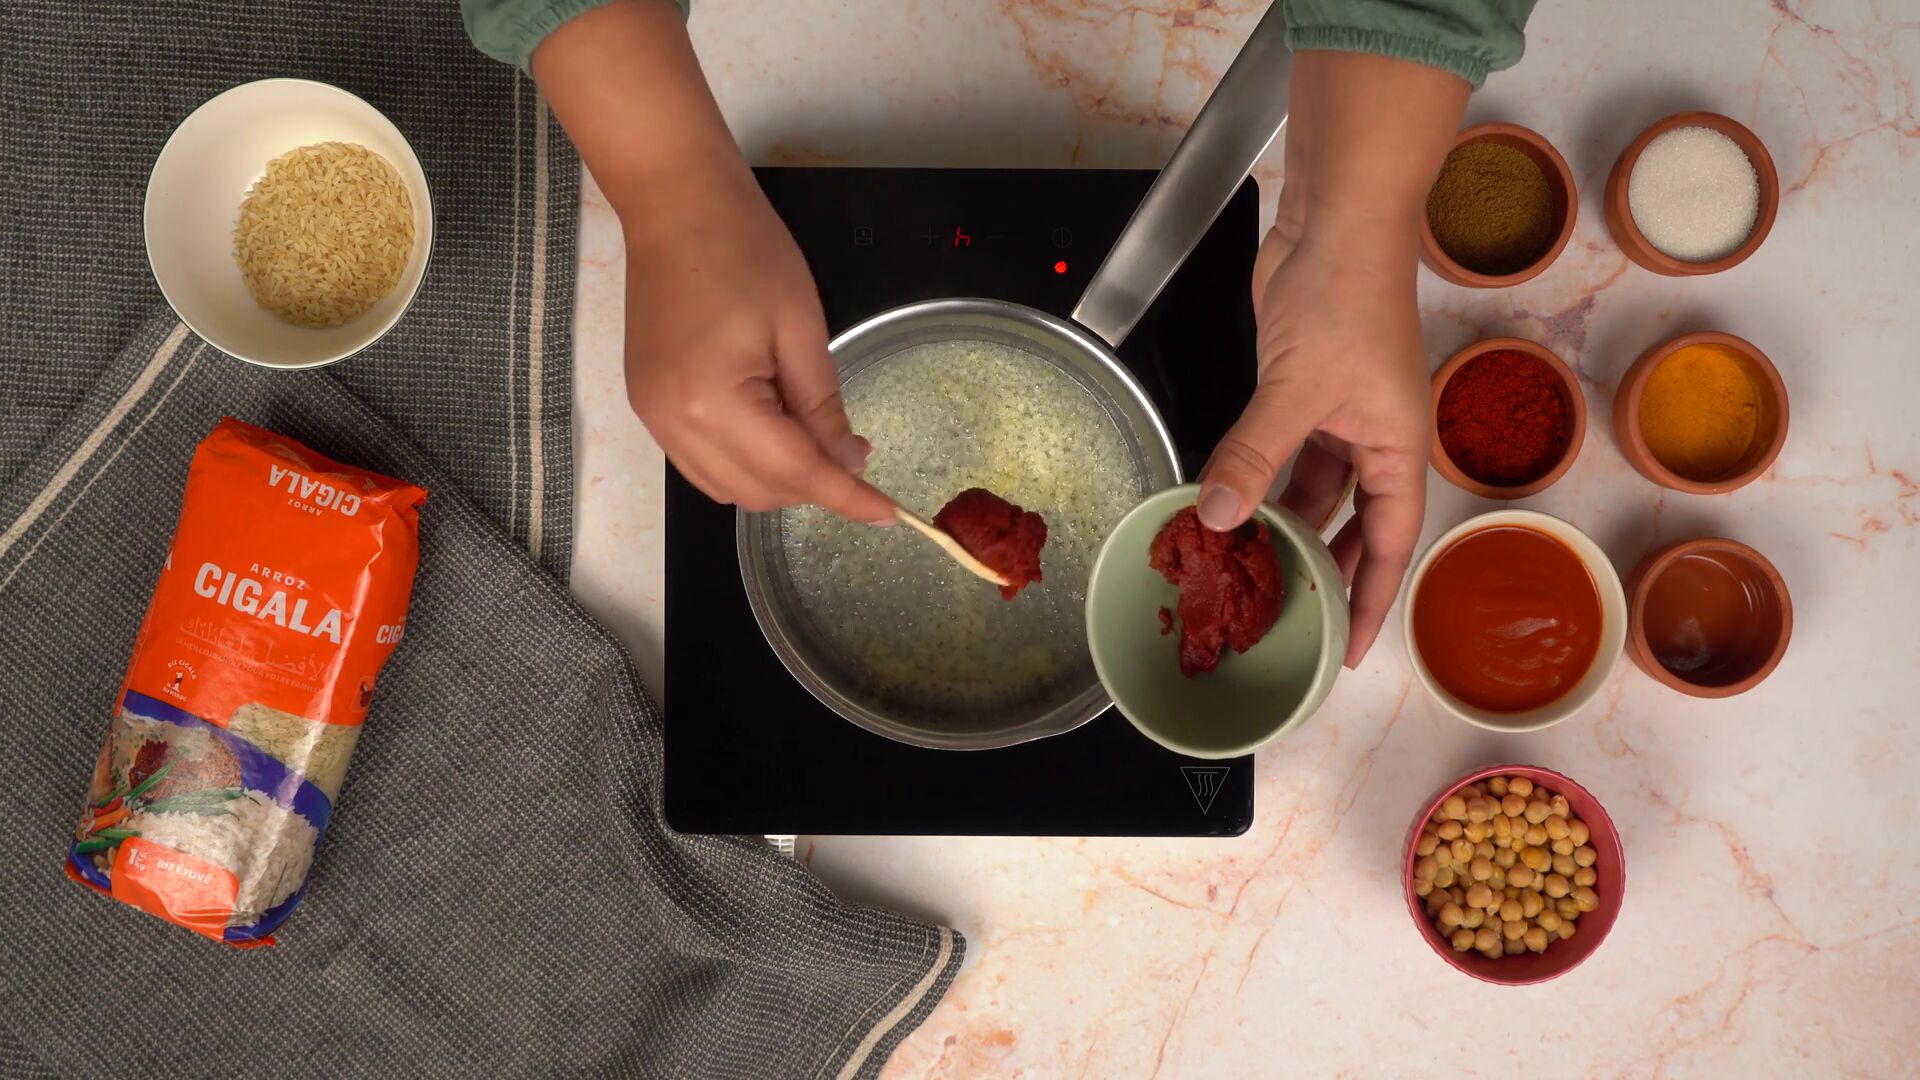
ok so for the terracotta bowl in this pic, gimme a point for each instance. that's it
(1566, 205)
(1768, 437)
(1560, 957)
(1570, 391)
(1620, 216)
(1709, 617)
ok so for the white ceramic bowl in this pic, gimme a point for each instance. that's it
(1613, 622)
(193, 202)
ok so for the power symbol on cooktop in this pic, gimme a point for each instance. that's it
(1062, 236)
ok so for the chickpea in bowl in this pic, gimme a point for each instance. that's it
(1514, 874)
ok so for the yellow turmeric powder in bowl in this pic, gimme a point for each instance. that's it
(1699, 412)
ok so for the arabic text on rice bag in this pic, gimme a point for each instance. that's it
(282, 596)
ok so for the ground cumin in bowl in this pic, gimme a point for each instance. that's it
(1508, 418)
(1501, 209)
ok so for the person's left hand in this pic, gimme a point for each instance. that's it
(1343, 373)
(1343, 381)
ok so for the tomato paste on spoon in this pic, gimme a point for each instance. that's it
(1004, 536)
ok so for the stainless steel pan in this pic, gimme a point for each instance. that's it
(965, 392)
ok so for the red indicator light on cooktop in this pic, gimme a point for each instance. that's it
(1060, 267)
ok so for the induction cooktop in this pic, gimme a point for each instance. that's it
(748, 750)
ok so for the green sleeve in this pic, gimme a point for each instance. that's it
(509, 30)
(1467, 37)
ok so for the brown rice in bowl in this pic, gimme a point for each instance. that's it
(324, 234)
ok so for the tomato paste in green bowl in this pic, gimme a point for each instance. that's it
(1150, 663)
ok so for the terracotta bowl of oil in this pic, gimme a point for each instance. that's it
(1708, 617)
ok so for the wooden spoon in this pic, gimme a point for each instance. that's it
(949, 545)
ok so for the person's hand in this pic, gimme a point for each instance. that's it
(726, 349)
(1343, 381)
(1342, 371)
(727, 360)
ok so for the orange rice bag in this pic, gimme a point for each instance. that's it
(282, 596)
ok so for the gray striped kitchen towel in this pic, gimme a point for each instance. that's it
(499, 895)
(478, 374)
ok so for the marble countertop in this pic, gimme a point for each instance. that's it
(1773, 926)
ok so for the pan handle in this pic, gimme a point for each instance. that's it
(1244, 114)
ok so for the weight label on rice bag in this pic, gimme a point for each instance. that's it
(283, 594)
(175, 886)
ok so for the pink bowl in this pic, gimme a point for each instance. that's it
(1561, 957)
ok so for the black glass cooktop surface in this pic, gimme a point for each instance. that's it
(748, 750)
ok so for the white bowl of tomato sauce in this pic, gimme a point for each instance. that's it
(1514, 620)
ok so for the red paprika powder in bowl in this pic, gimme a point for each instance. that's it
(1508, 418)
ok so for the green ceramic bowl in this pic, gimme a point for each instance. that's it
(1253, 697)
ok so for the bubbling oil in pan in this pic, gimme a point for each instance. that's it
(898, 615)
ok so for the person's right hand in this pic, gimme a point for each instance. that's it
(726, 354)
(726, 350)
